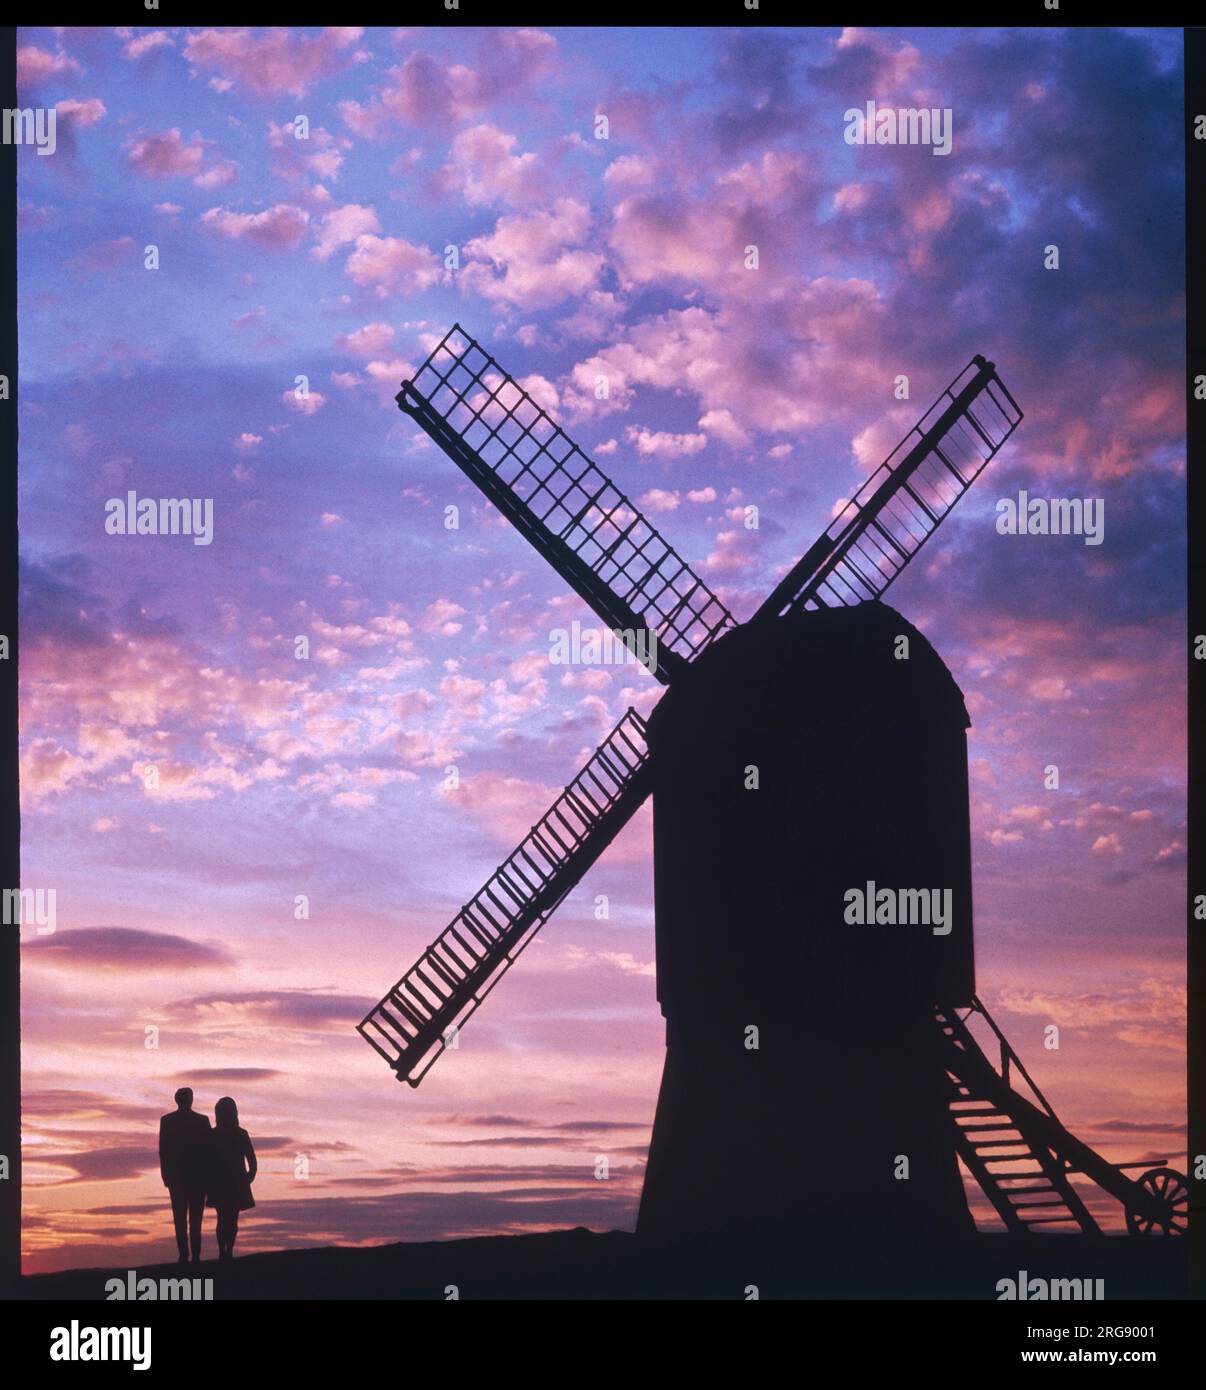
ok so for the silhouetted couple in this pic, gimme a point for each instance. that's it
(201, 1166)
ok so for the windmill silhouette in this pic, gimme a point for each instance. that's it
(821, 1077)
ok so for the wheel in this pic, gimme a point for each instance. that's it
(1172, 1189)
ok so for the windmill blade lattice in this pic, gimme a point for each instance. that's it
(901, 504)
(574, 515)
(412, 1025)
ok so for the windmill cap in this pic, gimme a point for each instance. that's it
(804, 658)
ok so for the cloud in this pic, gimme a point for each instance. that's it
(484, 170)
(320, 155)
(274, 62)
(308, 404)
(81, 113)
(658, 500)
(507, 807)
(1151, 1014)
(534, 260)
(136, 47)
(169, 155)
(116, 1164)
(392, 265)
(166, 155)
(279, 228)
(371, 340)
(302, 1008)
(218, 1075)
(661, 444)
(343, 225)
(35, 65)
(440, 616)
(1107, 844)
(424, 92)
(124, 949)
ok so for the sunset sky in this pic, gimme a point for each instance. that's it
(579, 256)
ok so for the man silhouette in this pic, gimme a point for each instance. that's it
(184, 1141)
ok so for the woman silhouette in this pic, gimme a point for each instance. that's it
(233, 1170)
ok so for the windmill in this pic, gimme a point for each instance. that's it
(793, 758)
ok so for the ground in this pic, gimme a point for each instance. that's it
(616, 1265)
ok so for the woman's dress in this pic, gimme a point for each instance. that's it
(229, 1185)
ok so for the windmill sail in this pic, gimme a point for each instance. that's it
(901, 504)
(553, 494)
(413, 1024)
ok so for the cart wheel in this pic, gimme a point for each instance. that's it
(1172, 1189)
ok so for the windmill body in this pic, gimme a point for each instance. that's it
(822, 1075)
(795, 763)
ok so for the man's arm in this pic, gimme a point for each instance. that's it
(164, 1145)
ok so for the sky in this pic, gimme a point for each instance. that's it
(177, 956)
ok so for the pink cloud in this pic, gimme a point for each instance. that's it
(219, 175)
(424, 92)
(507, 807)
(392, 265)
(35, 65)
(440, 616)
(166, 155)
(658, 500)
(309, 404)
(660, 444)
(483, 168)
(146, 43)
(722, 424)
(83, 113)
(534, 259)
(280, 227)
(629, 171)
(729, 556)
(370, 341)
(274, 62)
(320, 155)
(718, 355)
(343, 225)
